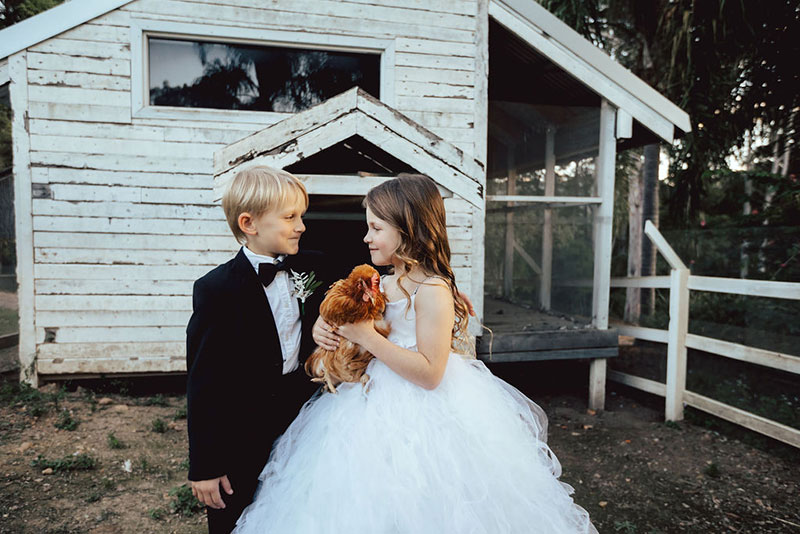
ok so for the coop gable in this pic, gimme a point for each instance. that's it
(353, 113)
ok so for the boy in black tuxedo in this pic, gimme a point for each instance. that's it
(246, 341)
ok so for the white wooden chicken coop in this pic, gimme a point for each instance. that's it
(127, 114)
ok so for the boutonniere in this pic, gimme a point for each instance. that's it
(303, 286)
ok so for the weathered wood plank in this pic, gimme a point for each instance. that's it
(434, 119)
(416, 45)
(550, 340)
(133, 210)
(748, 420)
(129, 147)
(136, 241)
(100, 130)
(83, 48)
(78, 193)
(439, 90)
(753, 288)
(543, 355)
(130, 257)
(432, 75)
(79, 112)
(118, 67)
(145, 273)
(445, 105)
(369, 19)
(115, 334)
(462, 7)
(18, 96)
(130, 226)
(117, 318)
(99, 32)
(101, 363)
(113, 302)
(76, 95)
(79, 79)
(122, 162)
(767, 358)
(176, 180)
(112, 287)
(431, 61)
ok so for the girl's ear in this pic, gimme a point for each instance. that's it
(245, 222)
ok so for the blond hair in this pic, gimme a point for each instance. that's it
(257, 190)
(411, 203)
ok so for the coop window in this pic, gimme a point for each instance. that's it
(188, 73)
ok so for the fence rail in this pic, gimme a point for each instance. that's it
(680, 282)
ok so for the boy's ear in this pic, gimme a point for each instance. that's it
(245, 221)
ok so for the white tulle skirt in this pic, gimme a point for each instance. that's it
(467, 457)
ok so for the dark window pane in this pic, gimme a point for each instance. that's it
(200, 74)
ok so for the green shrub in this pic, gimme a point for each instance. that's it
(76, 462)
(184, 503)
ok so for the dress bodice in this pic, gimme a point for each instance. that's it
(402, 319)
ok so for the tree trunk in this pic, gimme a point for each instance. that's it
(649, 213)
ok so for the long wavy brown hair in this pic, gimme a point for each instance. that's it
(412, 204)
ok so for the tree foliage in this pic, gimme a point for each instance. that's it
(13, 11)
(730, 64)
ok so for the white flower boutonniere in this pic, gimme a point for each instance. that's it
(303, 286)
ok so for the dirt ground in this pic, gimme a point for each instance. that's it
(633, 473)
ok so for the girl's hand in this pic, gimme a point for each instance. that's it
(324, 335)
(359, 332)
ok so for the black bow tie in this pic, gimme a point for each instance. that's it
(267, 271)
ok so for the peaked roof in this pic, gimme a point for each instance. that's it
(573, 53)
(50, 23)
(353, 112)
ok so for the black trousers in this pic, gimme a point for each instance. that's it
(223, 521)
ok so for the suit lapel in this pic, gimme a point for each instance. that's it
(254, 299)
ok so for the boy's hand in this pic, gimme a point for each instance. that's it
(465, 298)
(324, 336)
(207, 491)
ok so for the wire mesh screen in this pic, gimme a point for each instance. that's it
(515, 237)
(7, 244)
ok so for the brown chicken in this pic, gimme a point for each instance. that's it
(354, 299)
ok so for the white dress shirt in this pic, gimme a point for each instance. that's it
(285, 310)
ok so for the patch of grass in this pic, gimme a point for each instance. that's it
(672, 424)
(77, 462)
(157, 513)
(184, 464)
(158, 426)
(184, 503)
(66, 421)
(115, 443)
(626, 527)
(109, 484)
(712, 470)
(180, 413)
(155, 400)
(94, 496)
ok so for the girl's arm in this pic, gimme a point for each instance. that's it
(435, 315)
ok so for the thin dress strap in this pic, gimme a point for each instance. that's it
(423, 283)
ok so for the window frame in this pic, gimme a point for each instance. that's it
(143, 29)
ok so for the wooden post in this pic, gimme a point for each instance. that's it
(23, 202)
(676, 343)
(508, 264)
(633, 298)
(602, 225)
(546, 280)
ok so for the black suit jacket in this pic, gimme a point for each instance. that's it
(238, 399)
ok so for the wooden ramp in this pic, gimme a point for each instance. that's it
(523, 334)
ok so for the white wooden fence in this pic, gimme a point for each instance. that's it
(677, 338)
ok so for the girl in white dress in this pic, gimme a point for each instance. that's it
(434, 443)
